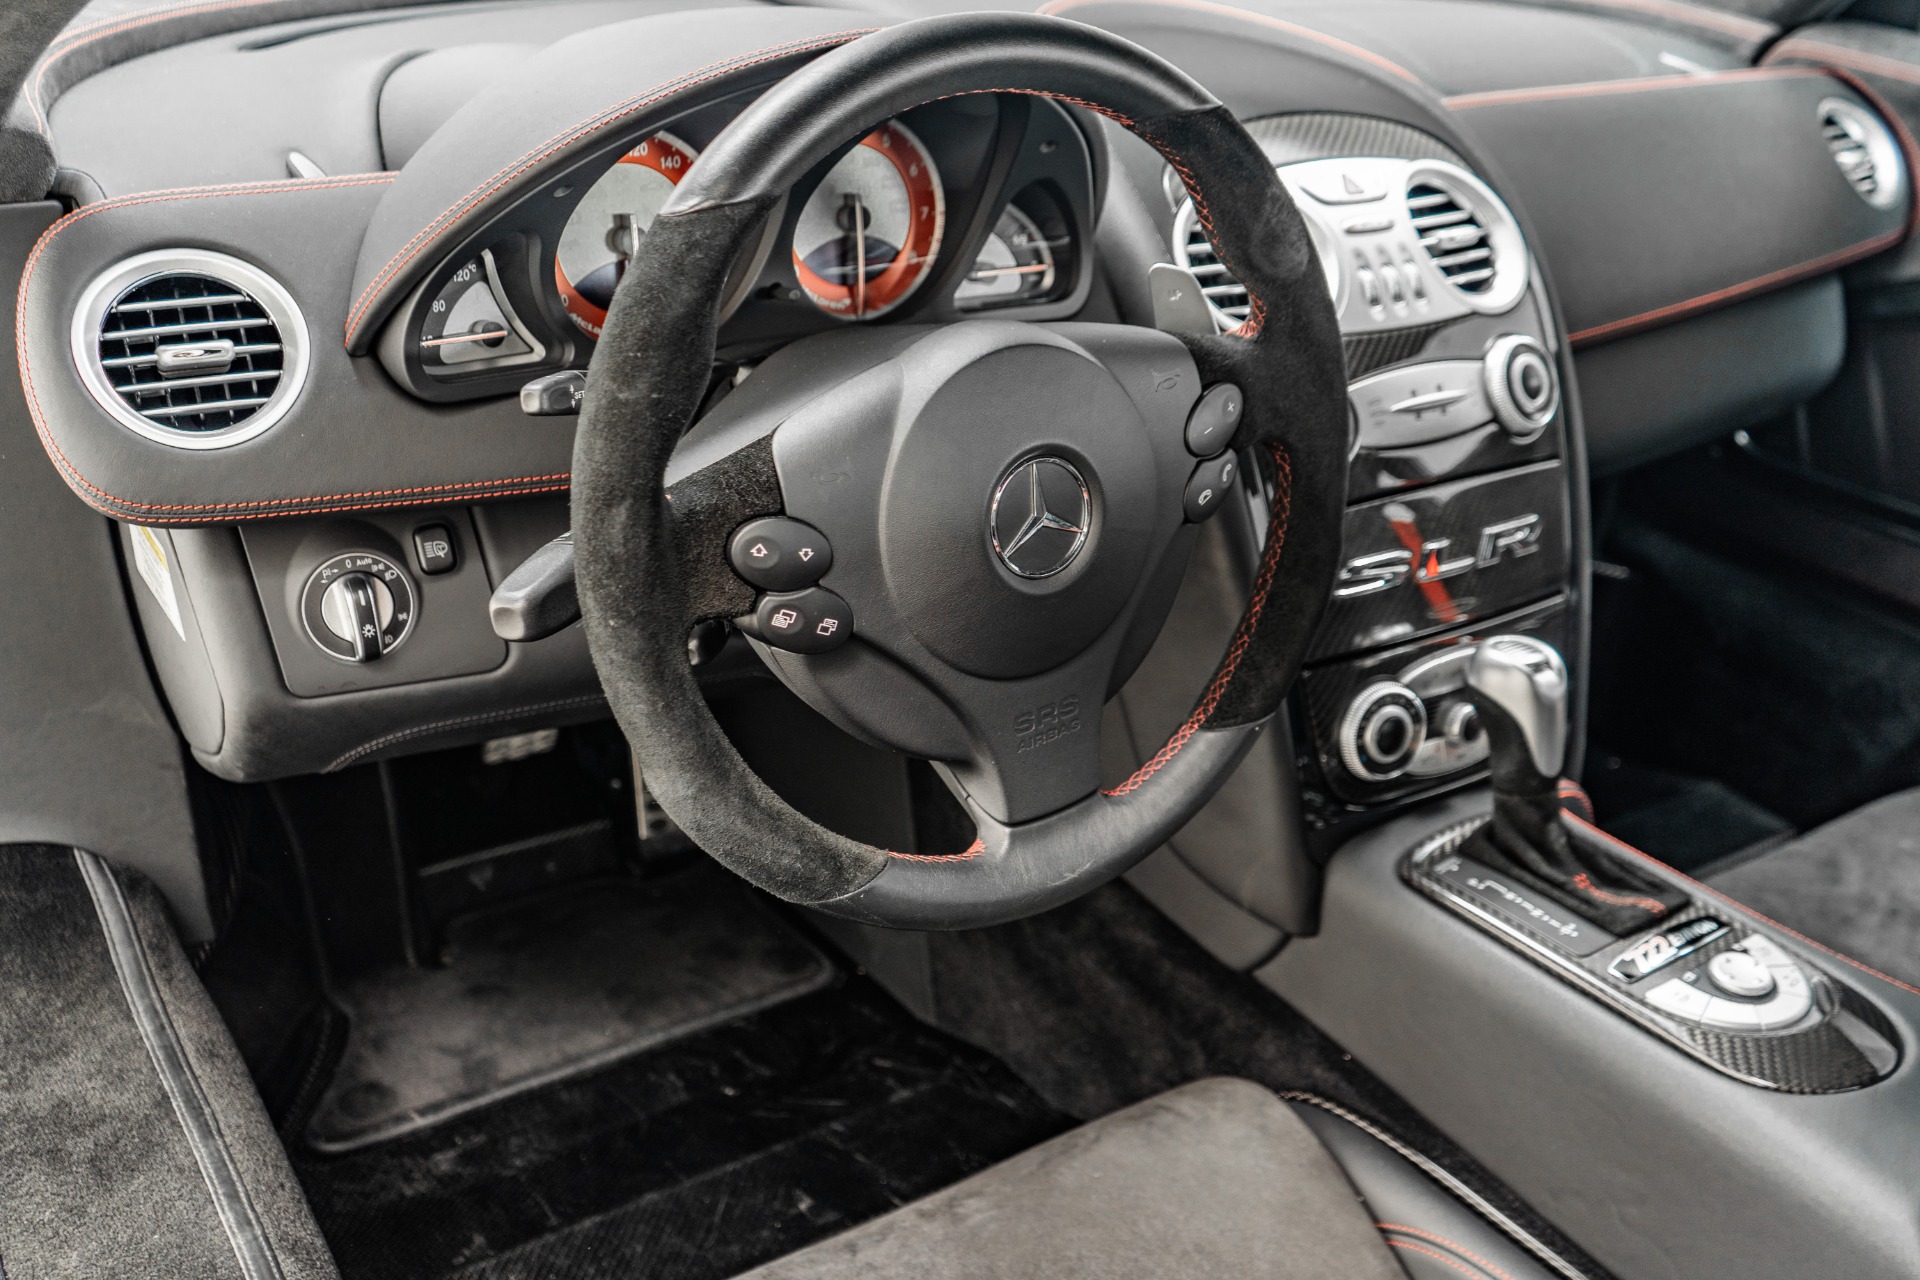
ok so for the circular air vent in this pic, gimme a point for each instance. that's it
(1226, 296)
(1865, 150)
(193, 349)
(1469, 234)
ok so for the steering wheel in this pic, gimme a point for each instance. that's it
(922, 454)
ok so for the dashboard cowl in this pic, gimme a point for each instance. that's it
(576, 97)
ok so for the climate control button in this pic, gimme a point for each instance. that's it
(1382, 731)
(1521, 385)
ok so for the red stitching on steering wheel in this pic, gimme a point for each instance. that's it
(1242, 636)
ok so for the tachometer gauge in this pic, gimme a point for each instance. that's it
(606, 228)
(1016, 263)
(468, 321)
(868, 234)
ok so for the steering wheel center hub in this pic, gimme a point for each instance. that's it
(1018, 507)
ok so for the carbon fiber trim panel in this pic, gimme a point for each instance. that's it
(1318, 135)
(1842, 1042)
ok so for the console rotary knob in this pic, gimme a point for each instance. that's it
(358, 607)
(1522, 386)
(1382, 731)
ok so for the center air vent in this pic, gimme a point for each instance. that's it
(192, 349)
(1868, 157)
(1470, 236)
(1452, 237)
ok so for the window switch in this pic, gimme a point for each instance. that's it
(433, 548)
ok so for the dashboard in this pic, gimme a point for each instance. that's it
(303, 364)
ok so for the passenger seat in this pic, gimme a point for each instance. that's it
(1852, 885)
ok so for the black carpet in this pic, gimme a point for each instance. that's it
(1686, 822)
(697, 1160)
(565, 983)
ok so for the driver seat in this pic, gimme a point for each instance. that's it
(1217, 1179)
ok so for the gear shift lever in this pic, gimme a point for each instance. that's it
(1519, 686)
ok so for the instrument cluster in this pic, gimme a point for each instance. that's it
(961, 207)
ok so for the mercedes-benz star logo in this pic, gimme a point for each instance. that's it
(1040, 518)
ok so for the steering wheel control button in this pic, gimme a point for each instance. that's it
(1040, 516)
(1652, 954)
(1211, 483)
(1214, 419)
(433, 549)
(1382, 731)
(1739, 974)
(1420, 403)
(358, 607)
(810, 621)
(775, 553)
(1521, 386)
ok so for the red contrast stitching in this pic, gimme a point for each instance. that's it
(1573, 793)
(511, 486)
(1602, 88)
(1652, 906)
(1821, 51)
(973, 851)
(1455, 1263)
(1706, 20)
(1242, 636)
(1469, 1254)
(1733, 292)
(1058, 7)
(1741, 906)
(615, 114)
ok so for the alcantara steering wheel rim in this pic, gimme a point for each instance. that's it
(651, 556)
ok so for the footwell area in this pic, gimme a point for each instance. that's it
(551, 987)
(693, 1161)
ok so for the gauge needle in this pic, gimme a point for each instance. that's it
(988, 273)
(856, 215)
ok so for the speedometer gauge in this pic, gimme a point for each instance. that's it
(867, 236)
(606, 228)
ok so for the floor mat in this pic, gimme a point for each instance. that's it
(546, 989)
(1686, 822)
(695, 1161)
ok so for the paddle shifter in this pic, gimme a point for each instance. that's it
(1519, 686)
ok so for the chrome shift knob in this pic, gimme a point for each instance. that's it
(1526, 679)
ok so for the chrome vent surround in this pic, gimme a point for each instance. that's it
(1865, 151)
(189, 348)
(1469, 235)
(1452, 237)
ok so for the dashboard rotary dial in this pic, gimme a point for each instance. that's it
(867, 236)
(606, 228)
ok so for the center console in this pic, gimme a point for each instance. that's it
(1460, 523)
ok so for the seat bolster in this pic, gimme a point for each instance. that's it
(1215, 1178)
(1433, 1234)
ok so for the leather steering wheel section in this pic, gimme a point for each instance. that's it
(892, 440)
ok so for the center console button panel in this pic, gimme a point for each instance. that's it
(1711, 985)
